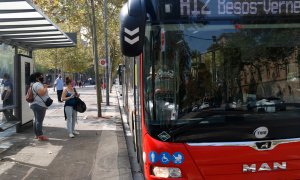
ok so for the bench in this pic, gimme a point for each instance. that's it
(12, 121)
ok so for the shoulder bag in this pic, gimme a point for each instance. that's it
(79, 106)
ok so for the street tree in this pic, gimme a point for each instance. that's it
(74, 16)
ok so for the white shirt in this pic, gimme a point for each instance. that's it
(38, 99)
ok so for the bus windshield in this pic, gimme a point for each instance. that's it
(221, 80)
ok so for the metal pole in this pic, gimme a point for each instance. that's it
(96, 61)
(106, 53)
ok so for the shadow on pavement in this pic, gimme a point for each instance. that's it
(59, 158)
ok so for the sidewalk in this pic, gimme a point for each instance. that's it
(98, 153)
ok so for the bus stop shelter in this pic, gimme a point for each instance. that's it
(24, 26)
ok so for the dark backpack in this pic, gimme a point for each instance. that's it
(79, 105)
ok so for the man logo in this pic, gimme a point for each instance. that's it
(264, 167)
(261, 132)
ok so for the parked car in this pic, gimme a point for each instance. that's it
(265, 105)
(195, 108)
(204, 105)
(231, 106)
(279, 103)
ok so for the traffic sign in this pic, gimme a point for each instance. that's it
(102, 62)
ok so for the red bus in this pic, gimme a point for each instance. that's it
(212, 89)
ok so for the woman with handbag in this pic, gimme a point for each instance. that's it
(68, 96)
(38, 106)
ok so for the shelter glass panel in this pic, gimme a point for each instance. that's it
(7, 76)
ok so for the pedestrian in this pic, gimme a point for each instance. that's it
(59, 84)
(7, 96)
(68, 96)
(40, 94)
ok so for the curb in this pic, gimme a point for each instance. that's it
(135, 166)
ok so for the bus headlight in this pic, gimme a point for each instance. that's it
(166, 172)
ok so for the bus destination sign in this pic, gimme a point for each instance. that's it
(194, 8)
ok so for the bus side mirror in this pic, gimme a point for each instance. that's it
(132, 29)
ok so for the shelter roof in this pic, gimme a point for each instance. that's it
(24, 25)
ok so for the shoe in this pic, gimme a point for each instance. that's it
(71, 135)
(42, 138)
(76, 132)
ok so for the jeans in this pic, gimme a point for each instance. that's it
(39, 115)
(59, 93)
(71, 118)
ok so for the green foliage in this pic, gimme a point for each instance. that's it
(75, 16)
